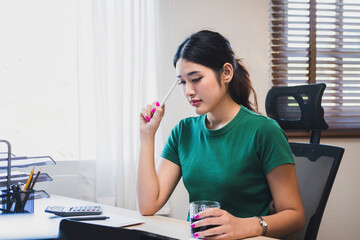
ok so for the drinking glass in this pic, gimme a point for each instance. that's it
(197, 207)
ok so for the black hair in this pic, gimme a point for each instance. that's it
(212, 50)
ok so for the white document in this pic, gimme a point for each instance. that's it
(116, 221)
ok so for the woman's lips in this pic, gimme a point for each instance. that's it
(195, 103)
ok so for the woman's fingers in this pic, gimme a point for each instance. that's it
(210, 212)
(155, 106)
(149, 111)
(222, 225)
(146, 112)
(217, 221)
(215, 232)
(207, 217)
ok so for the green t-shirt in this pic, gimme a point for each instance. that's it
(229, 165)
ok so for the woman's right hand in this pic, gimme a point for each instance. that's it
(150, 118)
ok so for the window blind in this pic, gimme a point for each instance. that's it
(319, 41)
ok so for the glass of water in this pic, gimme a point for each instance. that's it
(197, 207)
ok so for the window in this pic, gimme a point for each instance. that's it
(319, 41)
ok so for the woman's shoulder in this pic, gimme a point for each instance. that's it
(259, 121)
(260, 125)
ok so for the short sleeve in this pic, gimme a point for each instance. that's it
(272, 146)
(170, 151)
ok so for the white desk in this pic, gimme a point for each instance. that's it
(45, 225)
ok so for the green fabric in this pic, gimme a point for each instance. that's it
(229, 165)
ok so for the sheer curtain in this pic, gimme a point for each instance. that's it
(117, 74)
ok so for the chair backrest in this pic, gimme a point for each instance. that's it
(316, 168)
(299, 109)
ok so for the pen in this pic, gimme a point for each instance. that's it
(169, 92)
(36, 178)
(89, 218)
(16, 190)
(29, 179)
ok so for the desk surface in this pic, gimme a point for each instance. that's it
(45, 225)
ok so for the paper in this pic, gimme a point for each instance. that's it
(116, 221)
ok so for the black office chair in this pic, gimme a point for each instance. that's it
(299, 109)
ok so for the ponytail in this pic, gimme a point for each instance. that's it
(240, 87)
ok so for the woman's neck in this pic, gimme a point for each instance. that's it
(222, 114)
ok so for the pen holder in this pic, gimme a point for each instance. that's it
(17, 202)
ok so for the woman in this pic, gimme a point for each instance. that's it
(229, 153)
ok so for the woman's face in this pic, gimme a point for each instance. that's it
(200, 86)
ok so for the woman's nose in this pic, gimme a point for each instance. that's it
(189, 90)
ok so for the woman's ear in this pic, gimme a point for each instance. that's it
(227, 72)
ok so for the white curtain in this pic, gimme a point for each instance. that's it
(117, 72)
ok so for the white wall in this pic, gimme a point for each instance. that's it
(246, 24)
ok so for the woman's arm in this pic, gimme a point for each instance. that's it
(290, 214)
(289, 217)
(154, 187)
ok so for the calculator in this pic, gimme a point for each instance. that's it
(64, 211)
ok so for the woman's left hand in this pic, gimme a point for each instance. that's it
(227, 225)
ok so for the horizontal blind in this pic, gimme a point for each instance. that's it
(338, 61)
(290, 32)
(320, 37)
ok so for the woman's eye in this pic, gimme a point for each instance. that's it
(196, 79)
(181, 82)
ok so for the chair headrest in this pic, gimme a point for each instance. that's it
(298, 107)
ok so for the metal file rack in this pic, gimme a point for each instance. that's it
(9, 161)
